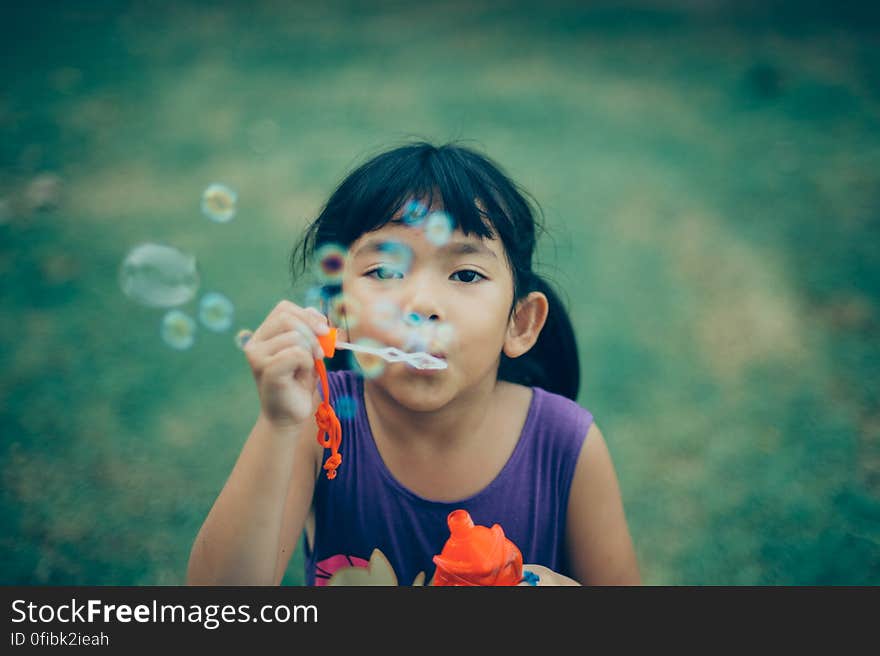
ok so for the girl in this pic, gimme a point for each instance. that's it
(439, 236)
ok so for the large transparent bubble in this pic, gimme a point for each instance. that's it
(157, 275)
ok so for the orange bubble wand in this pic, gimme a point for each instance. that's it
(329, 429)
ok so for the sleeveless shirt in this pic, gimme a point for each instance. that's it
(371, 529)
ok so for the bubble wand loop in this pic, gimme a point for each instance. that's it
(329, 429)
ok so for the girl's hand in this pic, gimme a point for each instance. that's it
(282, 354)
(547, 576)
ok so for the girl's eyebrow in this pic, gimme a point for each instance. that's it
(452, 248)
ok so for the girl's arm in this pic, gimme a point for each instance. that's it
(307, 469)
(271, 485)
(270, 488)
(600, 548)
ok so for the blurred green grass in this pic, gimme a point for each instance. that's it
(709, 177)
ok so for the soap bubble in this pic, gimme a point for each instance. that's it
(158, 275)
(414, 213)
(413, 319)
(314, 298)
(242, 337)
(43, 192)
(215, 312)
(442, 338)
(345, 407)
(397, 256)
(219, 203)
(438, 228)
(178, 330)
(367, 364)
(417, 340)
(319, 297)
(344, 310)
(330, 260)
(386, 315)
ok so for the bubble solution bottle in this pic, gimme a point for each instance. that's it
(477, 555)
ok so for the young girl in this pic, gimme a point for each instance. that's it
(433, 237)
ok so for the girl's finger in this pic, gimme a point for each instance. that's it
(301, 335)
(282, 319)
(289, 360)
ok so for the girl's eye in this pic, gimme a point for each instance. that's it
(468, 275)
(387, 273)
(384, 273)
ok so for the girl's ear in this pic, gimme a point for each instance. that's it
(525, 325)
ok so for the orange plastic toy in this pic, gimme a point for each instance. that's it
(477, 555)
(325, 417)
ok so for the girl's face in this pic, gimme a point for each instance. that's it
(403, 281)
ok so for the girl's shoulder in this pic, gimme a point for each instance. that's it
(550, 415)
(557, 412)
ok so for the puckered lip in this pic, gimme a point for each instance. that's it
(439, 355)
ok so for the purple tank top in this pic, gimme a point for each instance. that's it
(366, 519)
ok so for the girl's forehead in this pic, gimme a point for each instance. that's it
(420, 241)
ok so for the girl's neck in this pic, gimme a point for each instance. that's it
(455, 425)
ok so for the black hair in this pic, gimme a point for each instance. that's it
(369, 197)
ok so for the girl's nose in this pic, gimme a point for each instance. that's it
(421, 300)
(414, 319)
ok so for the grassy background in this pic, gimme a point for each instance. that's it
(709, 175)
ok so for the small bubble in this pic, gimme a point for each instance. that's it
(178, 330)
(344, 310)
(414, 213)
(413, 319)
(43, 192)
(319, 296)
(417, 339)
(216, 312)
(397, 256)
(242, 337)
(442, 338)
(438, 228)
(345, 407)
(314, 298)
(367, 364)
(330, 260)
(386, 315)
(219, 203)
(158, 275)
